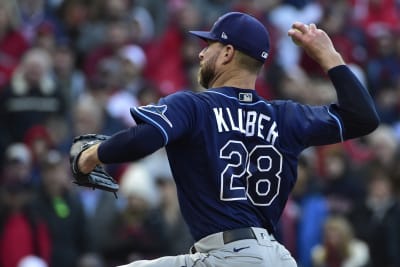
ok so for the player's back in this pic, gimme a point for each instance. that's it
(233, 155)
(232, 171)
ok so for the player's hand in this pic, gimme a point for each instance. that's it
(88, 159)
(316, 43)
(85, 165)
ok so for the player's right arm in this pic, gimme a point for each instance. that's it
(353, 115)
(317, 44)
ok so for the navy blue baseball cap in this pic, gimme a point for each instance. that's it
(244, 32)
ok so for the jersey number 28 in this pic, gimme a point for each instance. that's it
(258, 171)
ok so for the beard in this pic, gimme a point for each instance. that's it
(207, 72)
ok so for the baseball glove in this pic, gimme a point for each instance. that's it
(98, 177)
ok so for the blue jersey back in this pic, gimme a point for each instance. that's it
(234, 155)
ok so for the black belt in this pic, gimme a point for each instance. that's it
(234, 235)
(238, 234)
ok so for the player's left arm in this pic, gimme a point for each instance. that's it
(128, 145)
(158, 125)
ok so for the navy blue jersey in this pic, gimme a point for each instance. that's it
(234, 155)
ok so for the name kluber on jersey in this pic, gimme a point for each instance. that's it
(250, 123)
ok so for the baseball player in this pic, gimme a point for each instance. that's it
(233, 154)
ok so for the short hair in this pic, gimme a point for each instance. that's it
(247, 62)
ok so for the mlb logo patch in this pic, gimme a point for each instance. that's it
(246, 97)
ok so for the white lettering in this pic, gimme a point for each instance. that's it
(251, 123)
(260, 124)
(220, 120)
(241, 114)
(234, 127)
(272, 133)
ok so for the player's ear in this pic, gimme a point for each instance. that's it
(228, 52)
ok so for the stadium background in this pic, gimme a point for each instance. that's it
(69, 67)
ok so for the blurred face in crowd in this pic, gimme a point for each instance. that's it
(33, 72)
(117, 35)
(116, 8)
(337, 234)
(15, 184)
(188, 17)
(88, 116)
(379, 189)
(55, 178)
(63, 60)
(35, 64)
(16, 171)
(16, 198)
(130, 70)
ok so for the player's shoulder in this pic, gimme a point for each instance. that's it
(284, 104)
(185, 95)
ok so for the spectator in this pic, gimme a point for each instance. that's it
(339, 247)
(169, 74)
(39, 143)
(341, 187)
(384, 145)
(71, 81)
(22, 230)
(383, 67)
(133, 60)
(375, 15)
(377, 219)
(305, 213)
(72, 76)
(12, 43)
(178, 238)
(33, 14)
(90, 116)
(96, 29)
(140, 232)
(159, 13)
(101, 212)
(349, 40)
(59, 205)
(31, 97)
(115, 37)
(45, 37)
(282, 16)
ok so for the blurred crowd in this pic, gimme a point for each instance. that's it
(70, 67)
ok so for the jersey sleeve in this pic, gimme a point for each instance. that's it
(174, 115)
(307, 125)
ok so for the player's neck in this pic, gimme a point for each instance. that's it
(235, 78)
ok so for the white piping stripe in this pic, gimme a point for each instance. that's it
(155, 123)
(338, 122)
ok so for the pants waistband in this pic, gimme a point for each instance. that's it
(218, 240)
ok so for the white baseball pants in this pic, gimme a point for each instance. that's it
(264, 251)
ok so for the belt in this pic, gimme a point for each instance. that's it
(234, 235)
(238, 234)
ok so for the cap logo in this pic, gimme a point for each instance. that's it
(224, 36)
(264, 55)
